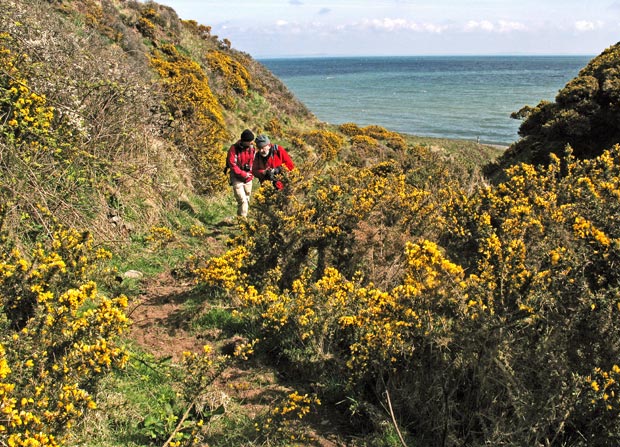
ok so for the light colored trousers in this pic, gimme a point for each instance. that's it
(242, 191)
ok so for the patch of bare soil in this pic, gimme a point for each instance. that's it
(159, 323)
(161, 327)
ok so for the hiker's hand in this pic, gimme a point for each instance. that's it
(277, 170)
(248, 178)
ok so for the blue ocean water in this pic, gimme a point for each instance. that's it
(464, 97)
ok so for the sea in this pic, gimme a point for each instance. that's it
(462, 97)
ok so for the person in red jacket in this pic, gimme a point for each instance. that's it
(269, 160)
(240, 160)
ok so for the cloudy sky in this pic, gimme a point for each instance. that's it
(280, 28)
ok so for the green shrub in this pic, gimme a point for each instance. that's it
(503, 334)
(58, 339)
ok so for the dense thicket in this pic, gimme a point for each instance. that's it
(482, 315)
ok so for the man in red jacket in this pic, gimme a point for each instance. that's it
(269, 160)
(240, 160)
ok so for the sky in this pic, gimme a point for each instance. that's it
(291, 28)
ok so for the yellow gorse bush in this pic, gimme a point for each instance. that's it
(58, 338)
(27, 115)
(160, 236)
(235, 74)
(197, 120)
(223, 271)
(326, 143)
(350, 129)
(297, 404)
(492, 281)
(390, 325)
(604, 386)
(282, 422)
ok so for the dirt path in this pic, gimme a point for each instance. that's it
(159, 323)
(161, 327)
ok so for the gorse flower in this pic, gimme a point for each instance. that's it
(27, 115)
(506, 279)
(234, 73)
(198, 116)
(60, 339)
(223, 271)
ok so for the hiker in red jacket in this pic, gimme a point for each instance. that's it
(240, 160)
(269, 160)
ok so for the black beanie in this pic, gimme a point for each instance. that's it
(247, 135)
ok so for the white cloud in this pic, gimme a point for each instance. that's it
(430, 27)
(505, 26)
(474, 25)
(501, 26)
(390, 25)
(385, 24)
(588, 25)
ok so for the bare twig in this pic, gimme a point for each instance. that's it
(179, 425)
(389, 402)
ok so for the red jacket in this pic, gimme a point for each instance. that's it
(240, 160)
(277, 157)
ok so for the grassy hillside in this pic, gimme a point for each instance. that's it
(133, 109)
(388, 295)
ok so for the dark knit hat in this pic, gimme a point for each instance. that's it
(247, 135)
(262, 140)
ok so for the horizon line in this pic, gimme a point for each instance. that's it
(325, 56)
